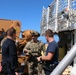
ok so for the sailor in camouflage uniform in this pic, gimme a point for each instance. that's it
(34, 47)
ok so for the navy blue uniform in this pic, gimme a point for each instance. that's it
(52, 48)
(9, 56)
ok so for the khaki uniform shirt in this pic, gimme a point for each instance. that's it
(35, 48)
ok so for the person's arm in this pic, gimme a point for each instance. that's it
(26, 48)
(13, 59)
(46, 58)
(51, 50)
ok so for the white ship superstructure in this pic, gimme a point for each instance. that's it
(60, 15)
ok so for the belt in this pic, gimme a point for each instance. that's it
(53, 65)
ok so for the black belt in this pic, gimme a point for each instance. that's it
(53, 64)
(50, 67)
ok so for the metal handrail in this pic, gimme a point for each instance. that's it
(65, 61)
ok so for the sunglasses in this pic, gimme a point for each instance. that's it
(34, 35)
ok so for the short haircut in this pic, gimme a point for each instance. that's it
(49, 33)
(10, 32)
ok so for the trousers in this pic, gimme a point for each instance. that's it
(7, 70)
(49, 69)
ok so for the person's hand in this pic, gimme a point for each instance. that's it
(16, 73)
(26, 51)
(38, 58)
(0, 67)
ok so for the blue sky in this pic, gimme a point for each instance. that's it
(28, 12)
